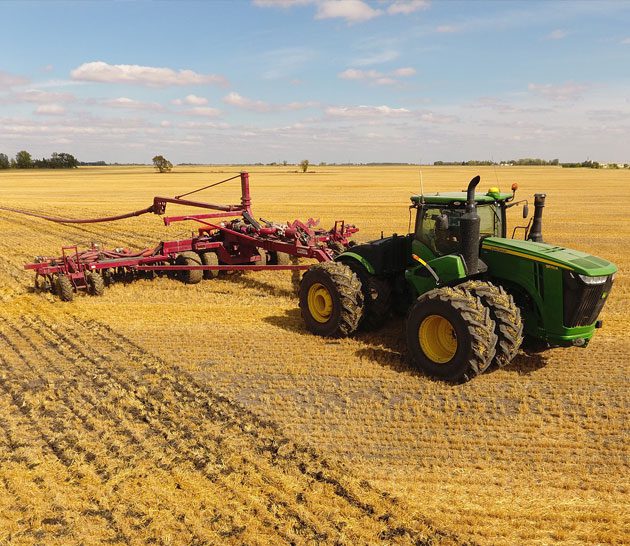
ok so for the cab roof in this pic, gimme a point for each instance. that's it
(459, 198)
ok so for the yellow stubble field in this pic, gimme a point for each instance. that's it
(208, 414)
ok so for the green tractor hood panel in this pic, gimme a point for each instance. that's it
(563, 258)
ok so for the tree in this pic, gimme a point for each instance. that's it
(162, 164)
(304, 165)
(4, 161)
(23, 160)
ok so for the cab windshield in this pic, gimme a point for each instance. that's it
(446, 241)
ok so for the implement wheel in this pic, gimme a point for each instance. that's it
(506, 315)
(96, 284)
(210, 258)
(192, 276)
(279, 258)
(450, 335)
(331, 301)
(64, 288)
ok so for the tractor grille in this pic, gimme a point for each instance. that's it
(583, 302)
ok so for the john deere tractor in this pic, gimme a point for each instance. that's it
(471, 295)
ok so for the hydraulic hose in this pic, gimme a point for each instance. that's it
(81, 221)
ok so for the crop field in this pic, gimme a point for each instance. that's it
(206, 414)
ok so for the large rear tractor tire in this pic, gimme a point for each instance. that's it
(377, 298)
(210, 258)
(331, 300)
(450, 335)
(96, 284)
(192, 276)
(506, 315)
(64, 288)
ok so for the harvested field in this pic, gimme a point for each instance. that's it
(206, 414)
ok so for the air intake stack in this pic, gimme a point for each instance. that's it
(535, 233)
(469, 225)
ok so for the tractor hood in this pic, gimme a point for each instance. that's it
(564, 258)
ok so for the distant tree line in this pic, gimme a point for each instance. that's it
(24, 160)
(535, 162)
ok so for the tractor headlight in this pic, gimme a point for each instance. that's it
(593, 280)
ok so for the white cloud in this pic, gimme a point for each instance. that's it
(353, 11)
(11, 80)
(235, 99)
(131, 104)
(38, 96)
(203, 111)
(102, 72)
(193, 100)
(407, 7)
(165, 123)
(625, 41)
(376, 77)
(446, 29)
(404, 72)
(557, 34)
(356, 74)
(50, 110)
(239, 101)
(365, 111)
(569, 91)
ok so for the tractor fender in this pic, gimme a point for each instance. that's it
(348, 257)
(450, 269)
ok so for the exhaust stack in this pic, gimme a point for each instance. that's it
(535, 232)
(469, 225)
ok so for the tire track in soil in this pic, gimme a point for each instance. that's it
(150, 410)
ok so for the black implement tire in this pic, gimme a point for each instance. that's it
(210, 258)
(96, 284)
(64, 288)
(508, 325)
(377, 298)
(279, 258)
(192, 276)
(450, 335)
(331, 300)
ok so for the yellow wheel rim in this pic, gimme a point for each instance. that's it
(320, 303)
(437, 339)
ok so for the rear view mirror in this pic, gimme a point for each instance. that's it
(525, 210)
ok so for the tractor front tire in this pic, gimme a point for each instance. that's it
(506, 316)
(377, 298)
(331, 300)
(450, 335)
(191, 276)
(64, 288)
(96, 284)
(210, 258)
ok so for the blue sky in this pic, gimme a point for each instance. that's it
(335, 81)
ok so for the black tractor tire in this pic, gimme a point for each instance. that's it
(210, 258)
(331, 300)
(458, 339)
(64, 288)
(192, 276)
(96, 284)
(279, 258)
(377, 298)
(508, 325)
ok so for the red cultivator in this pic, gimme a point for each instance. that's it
(240, 244)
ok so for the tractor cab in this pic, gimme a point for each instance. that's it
(438, 219)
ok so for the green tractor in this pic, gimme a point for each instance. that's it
(472, 296)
